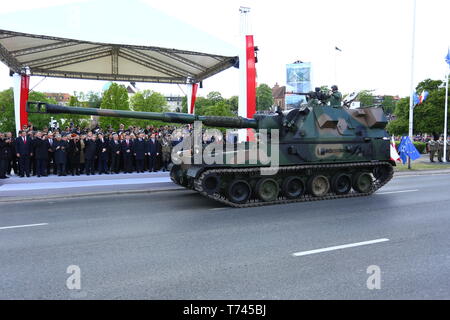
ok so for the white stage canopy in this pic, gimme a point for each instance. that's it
(69, 58)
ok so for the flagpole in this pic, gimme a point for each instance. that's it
(445, 116)
(411, 96)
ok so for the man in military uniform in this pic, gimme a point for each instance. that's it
(166, 150)
(440, 144)
(432, 147)
(336, 97)
(448, 149)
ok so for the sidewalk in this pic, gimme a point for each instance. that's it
(16, 188)
(48, 187)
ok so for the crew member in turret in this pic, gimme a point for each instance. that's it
(336, 97)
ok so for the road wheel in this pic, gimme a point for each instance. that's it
(211, 183)
(292, 187)
(341, 183)
(381, 173)
(239, 191)
(362, 182)
(318, 185)
(267, 189)
(175, 174)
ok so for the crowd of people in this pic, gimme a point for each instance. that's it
(76, 151)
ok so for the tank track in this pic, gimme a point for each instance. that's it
(377, 183)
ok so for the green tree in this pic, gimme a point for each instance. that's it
(234, 103)
(148, 101)
(94, 99)
(214, 97)
(40, 121)
(77, 120)
(264, 98)
(366, 98)
(115, 98)
(7, 111)
(388, 104)
(7, 117)
(428, 116)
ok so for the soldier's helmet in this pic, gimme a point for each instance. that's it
(334, 87)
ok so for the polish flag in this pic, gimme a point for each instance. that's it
(394, 153)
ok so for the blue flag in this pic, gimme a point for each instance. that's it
(447, 57)
(416, 99)
(406, 149)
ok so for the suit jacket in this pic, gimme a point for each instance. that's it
(153, 147)
(40, 148)
(104, 155)
(125, 148)
(22, 148)
(5, 150)
(114, 147)
(74, 151)
(139, 148)
(60, 149)
(90, 149)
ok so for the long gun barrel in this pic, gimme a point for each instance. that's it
(171, 117)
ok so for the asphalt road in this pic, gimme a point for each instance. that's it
(179, 245)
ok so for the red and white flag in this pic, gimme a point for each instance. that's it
(394, 153)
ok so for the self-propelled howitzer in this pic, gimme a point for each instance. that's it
(310, 153)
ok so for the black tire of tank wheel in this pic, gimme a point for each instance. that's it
(314, 179)
(293, 187)
(211, 183)
(174, 174)
(360, 184)
(380, 173)
(337, 183)
(267, 189)
(239, 191)
(183, 181)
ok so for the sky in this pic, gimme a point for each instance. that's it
(375, 37)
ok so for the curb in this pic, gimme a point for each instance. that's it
(88, 195)
(421, 172)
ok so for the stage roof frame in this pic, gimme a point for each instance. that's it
(68, 58)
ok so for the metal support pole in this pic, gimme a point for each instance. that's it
(411, 97)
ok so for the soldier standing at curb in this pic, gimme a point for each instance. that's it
(448, 149)
(440, 144)
(432, 147)
(166, 147)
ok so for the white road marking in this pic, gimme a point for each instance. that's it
(79, 184)
(214, 209)
(24, 226)
(344, 246)
(401, 191)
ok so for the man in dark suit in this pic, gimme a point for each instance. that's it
(24, 151)
(74, 154)
(40, 147)
(90, 151)
(4, 155)
(51, 155)
(127, 151)
(115, 147)
(103, 154)
(153, 150)
(60, 149)
(140, 151)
